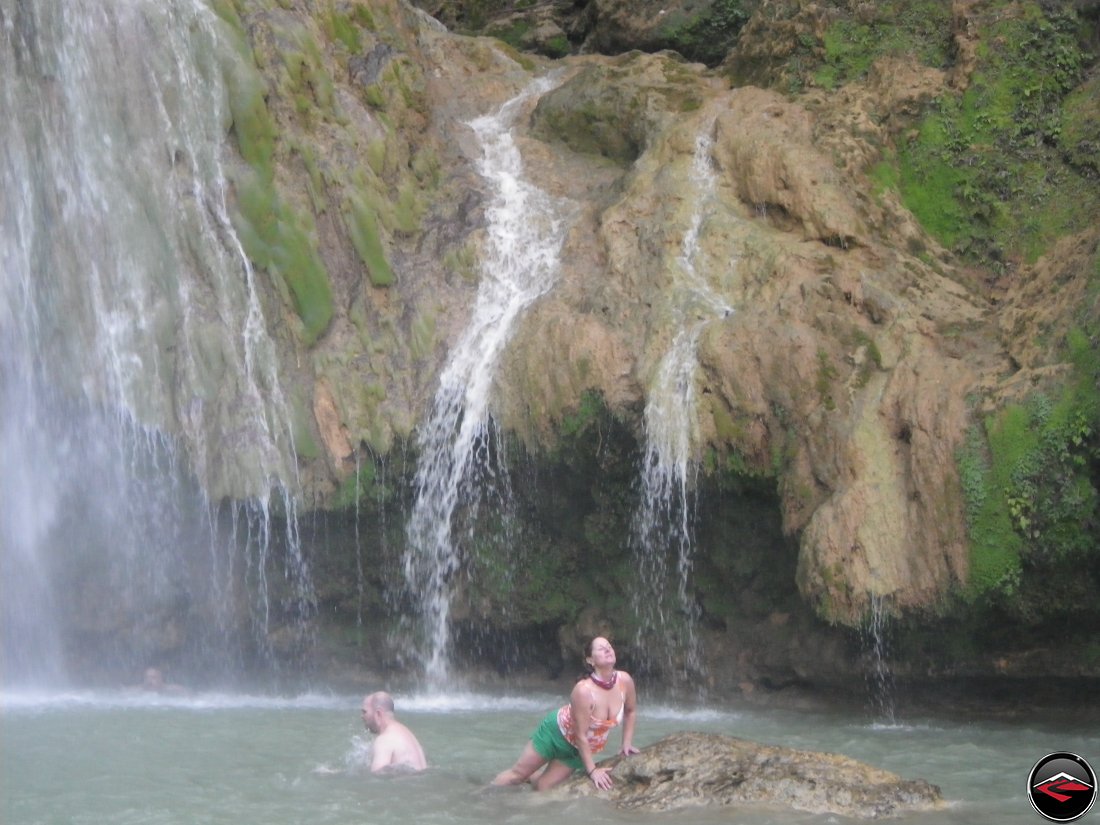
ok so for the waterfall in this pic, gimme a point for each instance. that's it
(880, 678)
(662, 528)
(136, 372)
(457, 441)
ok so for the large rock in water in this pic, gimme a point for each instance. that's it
(688, 770)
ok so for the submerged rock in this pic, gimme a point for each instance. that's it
(687, 770)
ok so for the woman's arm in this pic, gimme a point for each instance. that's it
(582, 714)
(630, 707)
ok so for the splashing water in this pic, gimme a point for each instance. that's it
(663, 522)
(133, 346)
(525, 234)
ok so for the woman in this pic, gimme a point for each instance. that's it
(600, 701)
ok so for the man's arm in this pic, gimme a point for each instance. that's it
(382, 753)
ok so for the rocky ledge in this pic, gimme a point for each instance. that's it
(687, 770)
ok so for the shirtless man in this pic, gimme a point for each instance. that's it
(394, 744)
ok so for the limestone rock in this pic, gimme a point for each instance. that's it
(765, 147)
(689, 770)
(836, 341)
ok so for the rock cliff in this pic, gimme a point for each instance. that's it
(844, 349)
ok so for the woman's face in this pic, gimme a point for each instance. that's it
(602, 655)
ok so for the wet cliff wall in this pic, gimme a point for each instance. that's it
(899, 412)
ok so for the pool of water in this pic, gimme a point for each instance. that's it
(97, 757)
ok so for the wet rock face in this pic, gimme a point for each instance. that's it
(701, 30)
(837, 342)
(843, 374)
(688, 770)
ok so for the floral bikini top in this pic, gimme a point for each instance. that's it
(598, 729)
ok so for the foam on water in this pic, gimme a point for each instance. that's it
(432, 702)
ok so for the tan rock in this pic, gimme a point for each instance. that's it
(333, 434)
(691, 770)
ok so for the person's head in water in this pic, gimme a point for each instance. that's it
(152, 679)
(394, 745)
(378, 711)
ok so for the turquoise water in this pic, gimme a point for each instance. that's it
(229, 758)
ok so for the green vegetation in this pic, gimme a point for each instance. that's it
(422, 335)
(279, 239)
(361, 486)
(558, 46)
(1079, 135)
(513, 34)
(463, 261)
(228, 12)
(872, 358)
(276, 237)
(826, 379)
(706, 37)
(912, 30)
(345, 26)
(999, 171)
(1032, 487)
(301, 418)
(307, 82)
(363, 228)
(983, 174)
(588, 414)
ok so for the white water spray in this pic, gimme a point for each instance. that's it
(880, 678)
(525, 232)
(136, 369)
(663, 529)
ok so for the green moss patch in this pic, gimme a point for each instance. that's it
(275, 236)
(913, 30)
(1079, 135)
(1033, 490)
(362, 224)
(983, 174)
(707, 35)
(279, 239)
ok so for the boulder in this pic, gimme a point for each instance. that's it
(689, 770)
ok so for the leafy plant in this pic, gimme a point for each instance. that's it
(983, 173)
(1032, 488)
(708, 36)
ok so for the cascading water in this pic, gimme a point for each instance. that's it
(456, 469)
(662, 529)
(135, 368)
(880, 678)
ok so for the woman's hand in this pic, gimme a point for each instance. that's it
(628, 750)
(601, 778)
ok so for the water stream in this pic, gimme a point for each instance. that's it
(456, 467)
(663, 525)
(135, 366)
(875, 637)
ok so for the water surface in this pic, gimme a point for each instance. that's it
(238, 758)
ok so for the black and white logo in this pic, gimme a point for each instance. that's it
(1062, 787)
